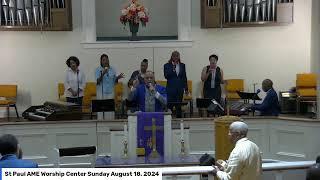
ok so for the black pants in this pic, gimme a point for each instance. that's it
(75, 100)
(175, 97)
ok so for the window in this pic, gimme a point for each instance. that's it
(91, 30)
(163, 22)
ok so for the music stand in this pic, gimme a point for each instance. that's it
(246, 96)
(102, 105)
(202, 103)
(177, 105)
(132, 106)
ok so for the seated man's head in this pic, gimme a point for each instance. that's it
(9, 145)
(149, 78)
(237, 130)
(144, 65)
(266, 85)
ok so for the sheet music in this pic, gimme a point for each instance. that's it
(216, 103)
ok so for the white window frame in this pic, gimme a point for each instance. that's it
(89, 39)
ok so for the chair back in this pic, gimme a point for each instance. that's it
(90, 92)
(188, 97)
(162, 82)
(80, 152)
(60, 90)
(118, 92)
(8, 91)
(306, 84)
(232, 86)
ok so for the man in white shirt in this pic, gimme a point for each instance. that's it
(244, 162)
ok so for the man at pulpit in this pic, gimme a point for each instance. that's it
(150, 96)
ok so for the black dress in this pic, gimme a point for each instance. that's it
(213, 93)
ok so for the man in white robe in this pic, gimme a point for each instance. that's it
(244, 162)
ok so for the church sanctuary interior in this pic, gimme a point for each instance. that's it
(255, 45)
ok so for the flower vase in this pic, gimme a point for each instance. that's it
(134, 28)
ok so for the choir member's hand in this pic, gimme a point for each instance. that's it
(132, 88)
(135, 83)
(120, 76)
(105, 70)
(74, 93)
(186, 92)
(225, 82)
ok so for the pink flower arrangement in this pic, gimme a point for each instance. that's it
(134, 13)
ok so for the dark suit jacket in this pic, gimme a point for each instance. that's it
(270, 105)
(11, 161)
(175, 82)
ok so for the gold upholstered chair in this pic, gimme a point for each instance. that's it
(188, 98)
(232, 86)
(162, 82)
(306, 85)
(61, 96)
(8, 98)
(118, 94)
(90, 93)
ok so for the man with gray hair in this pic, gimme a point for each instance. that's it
(244, 162)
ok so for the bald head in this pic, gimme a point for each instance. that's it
(149, 77)
(239, 127)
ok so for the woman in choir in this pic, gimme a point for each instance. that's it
(74, 83)
(106, 77)
(212, 76)
(175, 73)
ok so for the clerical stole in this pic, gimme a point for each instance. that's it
(150, 133)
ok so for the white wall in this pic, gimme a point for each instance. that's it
(36, 61)
(315, 44)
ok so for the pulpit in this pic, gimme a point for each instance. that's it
(134, 130)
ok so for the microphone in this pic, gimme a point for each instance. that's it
(258, 91)
(107, 68)
(149, 87)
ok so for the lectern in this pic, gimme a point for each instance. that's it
(133, 132)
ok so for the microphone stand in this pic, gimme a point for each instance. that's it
(78, 87)
(254, 98)
(254, 90)
(102, 93)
